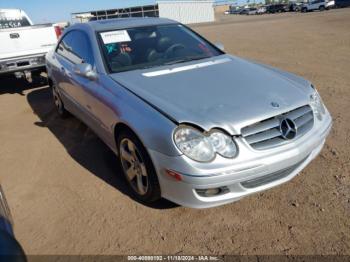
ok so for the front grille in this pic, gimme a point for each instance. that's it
(260, 181)
(266, 134)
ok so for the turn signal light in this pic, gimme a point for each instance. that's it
(174, 175)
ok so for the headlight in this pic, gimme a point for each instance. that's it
(194, 144)
(317, 105)
(203, 148)
(223, 144)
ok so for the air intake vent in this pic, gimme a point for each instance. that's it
(260, 181)
(267, 133)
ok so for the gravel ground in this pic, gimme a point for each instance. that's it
(67, 195)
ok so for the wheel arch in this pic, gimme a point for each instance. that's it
(120, 127)
(152, 137)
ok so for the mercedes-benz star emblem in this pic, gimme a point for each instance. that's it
(288, 129)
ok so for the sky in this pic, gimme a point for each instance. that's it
(49, 11)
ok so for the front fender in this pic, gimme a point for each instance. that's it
(153, 128)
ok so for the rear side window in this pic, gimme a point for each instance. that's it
(12, 20)
(76, 47)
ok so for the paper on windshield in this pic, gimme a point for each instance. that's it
(115, 37)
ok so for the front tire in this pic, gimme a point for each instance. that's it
(137, 167)
(321, 8)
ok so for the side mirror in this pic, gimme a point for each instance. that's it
(85, 70)
(220, 46)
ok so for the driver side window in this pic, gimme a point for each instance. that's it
(76, 48)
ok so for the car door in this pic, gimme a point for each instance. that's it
(67, 58)
(89, 94)
(74, 49)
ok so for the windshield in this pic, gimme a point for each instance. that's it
(12, 20)
(144, 47)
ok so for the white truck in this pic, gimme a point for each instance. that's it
(23, 46)
(314, 5)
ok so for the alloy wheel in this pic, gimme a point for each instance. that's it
(134, 166)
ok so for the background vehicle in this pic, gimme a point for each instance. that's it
(314, 5)
(252, 11)
(277, 8)
(294, 7)
(342, 3)
(24, 45)
(248, 11)
(330, 4)
(261, 10)
(234, 10)
(8, 243)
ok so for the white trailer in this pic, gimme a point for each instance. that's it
(187, 11)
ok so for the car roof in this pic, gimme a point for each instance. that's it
(120, 23)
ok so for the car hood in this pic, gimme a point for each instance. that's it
(223, 92)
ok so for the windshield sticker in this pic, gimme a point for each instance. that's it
(115, 37)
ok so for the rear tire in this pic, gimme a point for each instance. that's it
(321, 8)
(62, 112)
(137, 168)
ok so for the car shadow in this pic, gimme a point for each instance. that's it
(11, 85)
(83, 145)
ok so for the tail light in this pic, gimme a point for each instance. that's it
(58, 31)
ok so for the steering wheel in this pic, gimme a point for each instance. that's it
(170, 51)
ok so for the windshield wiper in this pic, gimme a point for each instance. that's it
(186, 59)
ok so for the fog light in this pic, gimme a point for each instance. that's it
(209, 192)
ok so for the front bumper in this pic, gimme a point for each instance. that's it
(20, 64)
(251, 172)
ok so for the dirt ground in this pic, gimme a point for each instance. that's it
(67, 195)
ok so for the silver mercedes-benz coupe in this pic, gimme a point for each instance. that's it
(187, 122)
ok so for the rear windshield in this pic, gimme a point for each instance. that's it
(8, 20)
(151, 46)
